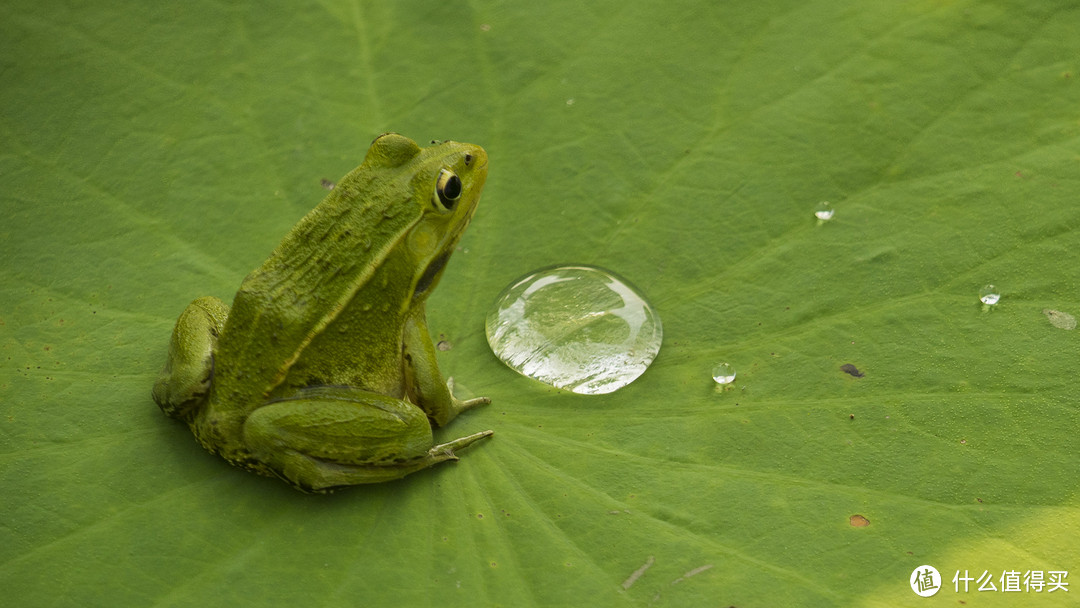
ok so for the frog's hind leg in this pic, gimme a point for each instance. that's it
(185, 379)
(327, 437)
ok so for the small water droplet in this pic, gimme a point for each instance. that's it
(723, 373)
(824, 211)
(579, 328)
(989, 295)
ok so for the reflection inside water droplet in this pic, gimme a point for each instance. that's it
(723, 373)
(989, 295)
(579, 328)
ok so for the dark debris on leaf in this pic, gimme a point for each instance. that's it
(851, 369)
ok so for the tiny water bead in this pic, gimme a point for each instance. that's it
(723, 373)
(579, 328)
(824, 211)
(989, 295)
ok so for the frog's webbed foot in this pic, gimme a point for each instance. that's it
(184, 381)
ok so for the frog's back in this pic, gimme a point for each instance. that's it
(311, 276)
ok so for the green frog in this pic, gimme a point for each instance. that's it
(322, 372)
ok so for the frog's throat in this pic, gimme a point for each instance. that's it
(431, 275)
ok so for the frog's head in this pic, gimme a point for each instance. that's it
(445, 183)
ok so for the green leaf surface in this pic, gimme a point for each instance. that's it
(152, 153)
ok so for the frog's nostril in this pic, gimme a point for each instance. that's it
(468, 159)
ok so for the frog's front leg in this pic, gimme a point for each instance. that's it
(426, 385)
(326, 437)
(185, 379)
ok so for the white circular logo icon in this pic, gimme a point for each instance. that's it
(925, 581)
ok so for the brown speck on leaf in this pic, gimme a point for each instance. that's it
(444, 345)
(325, 183)
(851, 369)
(858, 521)
(851, 416)
(1060, 320)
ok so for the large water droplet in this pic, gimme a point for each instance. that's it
(579, 328)
(989, 295)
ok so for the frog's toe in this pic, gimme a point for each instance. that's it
(473, 402)
(445, 451)
(464, 404)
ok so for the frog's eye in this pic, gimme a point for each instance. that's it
(448, 187)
